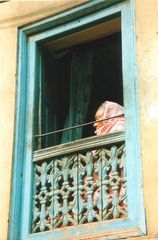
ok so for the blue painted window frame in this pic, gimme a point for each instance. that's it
(28, 60)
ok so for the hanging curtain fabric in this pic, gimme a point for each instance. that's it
(48, 118)
(80, 92)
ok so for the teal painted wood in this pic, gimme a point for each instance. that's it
(85, 181)
(27, 190)
(20, 214)
(131, 102)
(77, 145)
(142, 216)
(79, 24)
(19, 148)
(93, 230)
(69, 15)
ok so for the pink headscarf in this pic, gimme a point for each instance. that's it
(109, 110)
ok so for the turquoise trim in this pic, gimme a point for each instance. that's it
(69, 15)
(84, 231)
(78, 24)
(28, 167)
(18, 154)
(77, 18)
(141, 210)
(131, 100)
(132, 140)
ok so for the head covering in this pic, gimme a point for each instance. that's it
(112, 112)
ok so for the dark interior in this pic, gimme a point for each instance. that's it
(106, 82)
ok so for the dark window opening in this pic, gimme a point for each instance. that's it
(75, 82)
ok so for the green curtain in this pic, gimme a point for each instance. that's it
(80, 92)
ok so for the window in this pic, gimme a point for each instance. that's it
(75, 182)
(75, 82)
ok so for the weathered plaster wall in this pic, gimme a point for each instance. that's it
(7, 96)
(17, 13)
(147, 52)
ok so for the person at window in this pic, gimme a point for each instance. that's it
(113, 113)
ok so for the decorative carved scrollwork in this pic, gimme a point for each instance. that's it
(82, 187)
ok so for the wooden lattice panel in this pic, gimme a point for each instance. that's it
(81, 187)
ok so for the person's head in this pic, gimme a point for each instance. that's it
(107, 110)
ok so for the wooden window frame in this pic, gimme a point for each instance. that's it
(28, 60)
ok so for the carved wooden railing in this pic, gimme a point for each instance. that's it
(79, 182)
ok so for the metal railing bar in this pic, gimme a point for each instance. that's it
(74, 127)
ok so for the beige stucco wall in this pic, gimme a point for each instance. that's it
(147, 52)
(16, 13)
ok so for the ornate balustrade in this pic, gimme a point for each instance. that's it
(79, 182)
